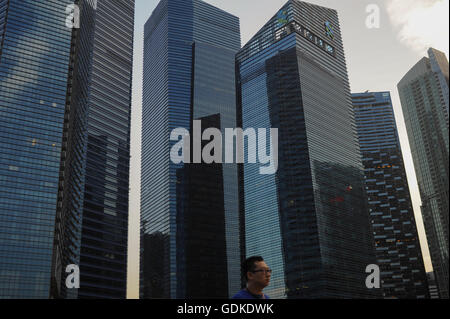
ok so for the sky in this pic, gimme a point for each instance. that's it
(377, 59)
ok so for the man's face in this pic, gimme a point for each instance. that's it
(260, 275)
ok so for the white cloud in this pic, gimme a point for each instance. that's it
(421, 23)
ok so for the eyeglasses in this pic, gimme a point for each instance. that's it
(266, 271)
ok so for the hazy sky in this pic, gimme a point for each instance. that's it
(377, 59)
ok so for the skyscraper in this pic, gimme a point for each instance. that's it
(34, 79)
(391, 214)
(190, 233)
(424, 98)
(309, 220)
(104, 240)
(65, 117)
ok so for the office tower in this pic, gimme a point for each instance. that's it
(391, 213)
(104, 240)
(190, 234)
(51, 92)
(34, 59)
(309, 220)
(424, 98)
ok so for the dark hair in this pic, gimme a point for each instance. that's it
(249, 265)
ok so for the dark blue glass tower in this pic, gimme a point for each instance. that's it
(391, 214)
(189, 212)
(35, 52)
(64, 134)
(309, 220)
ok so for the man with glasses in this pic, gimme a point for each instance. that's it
(257, 274)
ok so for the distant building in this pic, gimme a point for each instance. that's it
(424, 97)
(391, 213)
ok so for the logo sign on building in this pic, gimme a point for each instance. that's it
(329, 30)
(282, 17)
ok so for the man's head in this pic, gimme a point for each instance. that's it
(256, 272)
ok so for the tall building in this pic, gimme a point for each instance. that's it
(309, 220)
(64, 127)
(104, 238)
(424, 98)
(190, 233)
(34, 77)
(391, 213)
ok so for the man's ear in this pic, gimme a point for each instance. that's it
(249, 275)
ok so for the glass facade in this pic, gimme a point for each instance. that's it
(201, 237)
(190, 233)
(65, 131)
(104, 243)
(35, 49)
(310, 220)
(424, 97)
(391, 214)
(66, 248)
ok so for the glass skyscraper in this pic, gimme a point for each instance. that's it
(309, 220)
(35, 51)
(424, 98)
(64, 134)
(190, 226)
(104, 239)
(391, 214)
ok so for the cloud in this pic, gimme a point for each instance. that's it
(421, 23)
